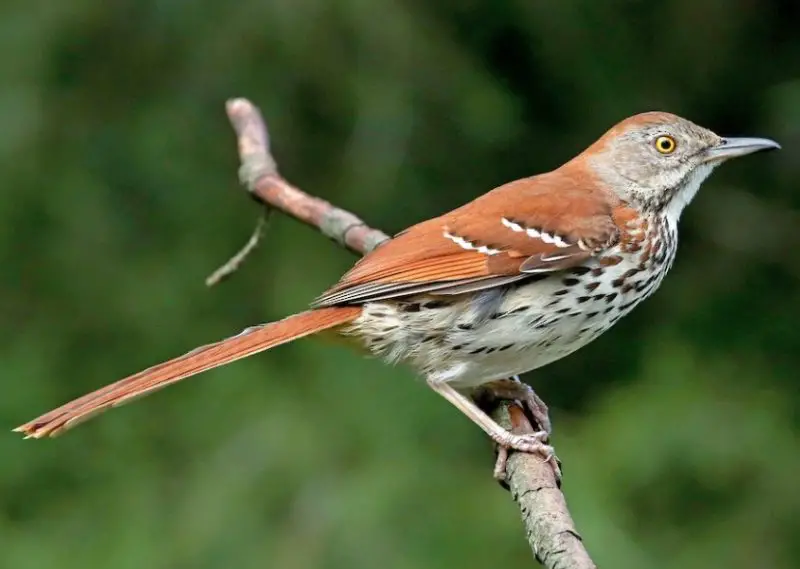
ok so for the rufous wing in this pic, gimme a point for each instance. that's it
(534, 225)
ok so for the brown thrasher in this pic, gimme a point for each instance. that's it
(514, 280)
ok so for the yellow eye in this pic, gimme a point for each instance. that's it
(665, 144)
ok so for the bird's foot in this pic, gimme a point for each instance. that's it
(530, 443)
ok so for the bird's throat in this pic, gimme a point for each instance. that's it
(679, 198)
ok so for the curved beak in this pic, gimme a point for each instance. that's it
(734, 147)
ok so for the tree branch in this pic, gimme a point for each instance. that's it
(259, 174)
(548, 526)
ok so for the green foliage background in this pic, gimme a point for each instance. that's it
(678, 429)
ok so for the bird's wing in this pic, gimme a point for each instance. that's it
(531, 226)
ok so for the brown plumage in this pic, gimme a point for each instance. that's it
(249, 342)
(511, 281)
(566, 204)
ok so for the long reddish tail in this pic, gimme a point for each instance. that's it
(249, 342)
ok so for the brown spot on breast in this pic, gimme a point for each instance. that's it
(610, 261)
(618, 282)
(580, 271)
(593, 285)
(647, 253)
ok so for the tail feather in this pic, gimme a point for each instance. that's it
(250, 341)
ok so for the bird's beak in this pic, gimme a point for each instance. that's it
(733, 147)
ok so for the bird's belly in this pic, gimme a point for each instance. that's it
(527, 339)
(477, 338)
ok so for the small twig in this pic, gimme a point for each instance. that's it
(233, 264)
(531, 481)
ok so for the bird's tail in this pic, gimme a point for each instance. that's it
(250, 341)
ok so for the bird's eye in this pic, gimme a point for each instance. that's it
(665, 144)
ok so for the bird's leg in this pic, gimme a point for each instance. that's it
(514, 389)
(529, 442)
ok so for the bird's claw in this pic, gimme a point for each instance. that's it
(529, 443)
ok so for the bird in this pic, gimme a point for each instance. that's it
(513, 280)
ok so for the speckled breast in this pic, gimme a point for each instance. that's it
(508, 330)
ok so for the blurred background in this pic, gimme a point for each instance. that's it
(678, 429)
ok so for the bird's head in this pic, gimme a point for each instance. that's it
(658, 160)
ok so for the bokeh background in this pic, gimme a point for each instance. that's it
(678, 429)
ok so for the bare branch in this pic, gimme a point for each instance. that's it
(260, 175)
(548, 525)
